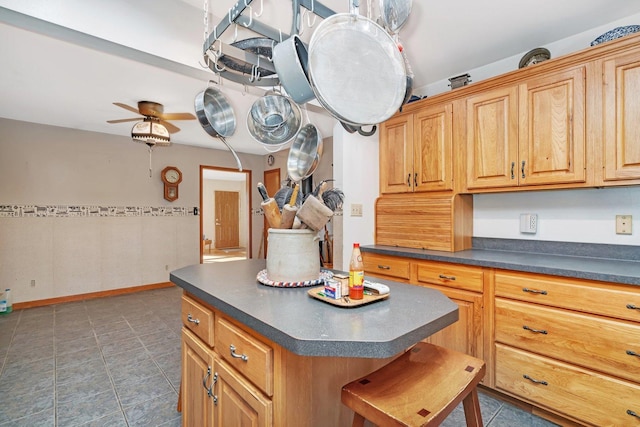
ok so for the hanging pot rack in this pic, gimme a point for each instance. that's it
(213, 47)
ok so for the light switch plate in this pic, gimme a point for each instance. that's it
(623, 224)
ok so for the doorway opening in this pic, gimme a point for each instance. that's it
(225, 214)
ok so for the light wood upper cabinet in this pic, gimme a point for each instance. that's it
(416, 151)
(532, 133)
(621, 89)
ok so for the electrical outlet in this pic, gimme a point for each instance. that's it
(33, 283)
(356, 209)
(529, 223)
(166, 267)
(623, 224)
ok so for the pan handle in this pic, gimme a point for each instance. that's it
(369, 133)
(224, 140)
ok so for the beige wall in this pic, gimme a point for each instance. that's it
(67, 255)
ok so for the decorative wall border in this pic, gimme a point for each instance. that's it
(65, 211)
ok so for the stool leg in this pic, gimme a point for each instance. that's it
(471, 406)
(358, 420)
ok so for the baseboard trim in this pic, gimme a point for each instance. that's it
(91, 295)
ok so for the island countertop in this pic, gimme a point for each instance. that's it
(310, 327)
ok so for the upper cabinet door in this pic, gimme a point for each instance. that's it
(432, 152)
(621, 115)
(492, 138)
(552, 129)
(396, 155)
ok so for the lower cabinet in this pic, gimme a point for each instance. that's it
(214, 392)
(569, 346)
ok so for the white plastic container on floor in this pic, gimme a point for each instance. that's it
(6, 306)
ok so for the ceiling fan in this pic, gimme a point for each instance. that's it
(153, 129)
(153, 111)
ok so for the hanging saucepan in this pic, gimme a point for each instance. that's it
(272, 126)
(216, 117)
(290, 60)
(394, 13)
(356, 70)
(305, 153)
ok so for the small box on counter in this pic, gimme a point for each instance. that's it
(344, 281)
(333, 289)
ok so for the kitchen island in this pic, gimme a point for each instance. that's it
(276, 356)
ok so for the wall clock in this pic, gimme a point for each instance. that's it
(171, 177)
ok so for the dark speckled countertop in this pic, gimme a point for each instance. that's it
(608, 263)
(309, 327)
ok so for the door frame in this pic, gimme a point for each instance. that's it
(248, 181)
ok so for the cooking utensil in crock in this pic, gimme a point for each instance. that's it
(290, 59)
(216, 117)
(356, 70)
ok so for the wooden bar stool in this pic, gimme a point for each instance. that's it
(419, 388)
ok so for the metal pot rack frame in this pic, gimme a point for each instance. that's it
(235, 17)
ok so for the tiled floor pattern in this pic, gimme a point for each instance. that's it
(116, 362)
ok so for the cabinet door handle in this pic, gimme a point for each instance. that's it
(522, 169)
(534, 291)
(513, 165)
(633, 307)
(204, 382)
(537, 331)
(442, 276)
(409, 180)
(415, 180)
(633, 353)
(632, 413)
(232, 349)
(384, 267)
(533, 380)
(192, 320)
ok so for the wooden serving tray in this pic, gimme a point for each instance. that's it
(313, 292)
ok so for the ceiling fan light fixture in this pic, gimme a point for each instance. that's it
(151, 132)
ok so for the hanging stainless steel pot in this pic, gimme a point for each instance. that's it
(356, 70)
(305, 153)
(394, 13)
(216, 117)
(290, 58)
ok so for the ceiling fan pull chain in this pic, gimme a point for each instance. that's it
(150, 148)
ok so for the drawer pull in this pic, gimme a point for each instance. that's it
(204, 382)
(192, 320)
(537, 331)
(232, 349)
(534, 291)
(533, 380)
(384, 267)
(632, 353)
(442, 276)
(633, 414)
(633, 307)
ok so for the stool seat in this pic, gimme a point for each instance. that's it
(419, 388)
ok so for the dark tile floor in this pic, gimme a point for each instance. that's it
(116, 362)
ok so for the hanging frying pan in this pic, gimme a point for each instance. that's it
(216, 117)
(356, 70)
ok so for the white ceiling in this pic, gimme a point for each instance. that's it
(64, 62)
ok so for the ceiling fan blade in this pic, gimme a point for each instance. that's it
(125, 120)
(127, 107)
(178, 116)
(171, 128)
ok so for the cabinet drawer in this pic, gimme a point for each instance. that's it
(607, 299)
(451, 275)
(597, 343)
(198, 319)
(248, 355)
(578, 393)
(386, 265)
